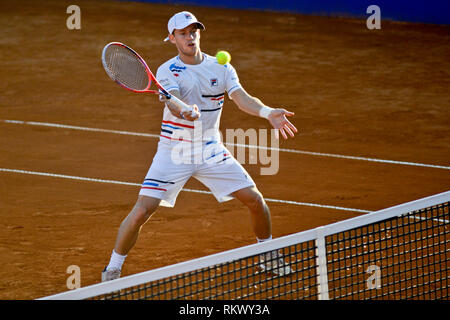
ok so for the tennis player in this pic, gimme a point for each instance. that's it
(200, 81)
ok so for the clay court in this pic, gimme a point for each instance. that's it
(380, 94)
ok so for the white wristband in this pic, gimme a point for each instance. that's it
(264, 112)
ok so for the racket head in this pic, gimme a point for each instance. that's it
(126, 67)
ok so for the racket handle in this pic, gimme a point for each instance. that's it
(184, 107)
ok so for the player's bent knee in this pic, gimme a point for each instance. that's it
(252, 198)
(140, 215)
(258, 202)
(143, 210)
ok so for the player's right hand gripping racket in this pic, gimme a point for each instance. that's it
(126, 67)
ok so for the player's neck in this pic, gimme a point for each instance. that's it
(194, 59)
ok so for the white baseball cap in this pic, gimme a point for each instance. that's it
(181, 20)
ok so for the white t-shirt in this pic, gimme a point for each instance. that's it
(202, 84)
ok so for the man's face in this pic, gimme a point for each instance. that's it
(187, 40)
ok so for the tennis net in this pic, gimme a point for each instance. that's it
(396, 253)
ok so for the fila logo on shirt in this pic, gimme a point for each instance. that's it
(214, 82)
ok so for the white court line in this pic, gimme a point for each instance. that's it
(64, 126)
(54, 175)
(311, 153)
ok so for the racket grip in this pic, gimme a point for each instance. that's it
(184, 107)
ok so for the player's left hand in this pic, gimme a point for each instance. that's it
(278, 120)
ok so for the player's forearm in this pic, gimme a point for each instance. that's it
(175, 109)
(254, 106)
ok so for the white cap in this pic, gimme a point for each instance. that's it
(181, 20)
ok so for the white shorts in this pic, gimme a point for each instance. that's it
(218, 170)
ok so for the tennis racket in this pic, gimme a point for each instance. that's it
(126, 67)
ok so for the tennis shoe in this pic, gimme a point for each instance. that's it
(111, 274)
(274, 263)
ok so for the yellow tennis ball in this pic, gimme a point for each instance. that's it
(223, 57)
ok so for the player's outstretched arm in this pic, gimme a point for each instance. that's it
(176, 111)
(276, 116)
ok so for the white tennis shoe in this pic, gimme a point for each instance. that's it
(274, 263)
(111, 274)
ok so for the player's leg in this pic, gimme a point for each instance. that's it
(128, 233)
(131, 225)
(161, 186)
(259, 211)
(227, 179)
(272, 261)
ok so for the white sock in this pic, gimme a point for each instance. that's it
(116, 261)
(264, 240)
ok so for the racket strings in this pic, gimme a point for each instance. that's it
(126, 68)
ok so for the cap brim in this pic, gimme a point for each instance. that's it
(200, 25)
